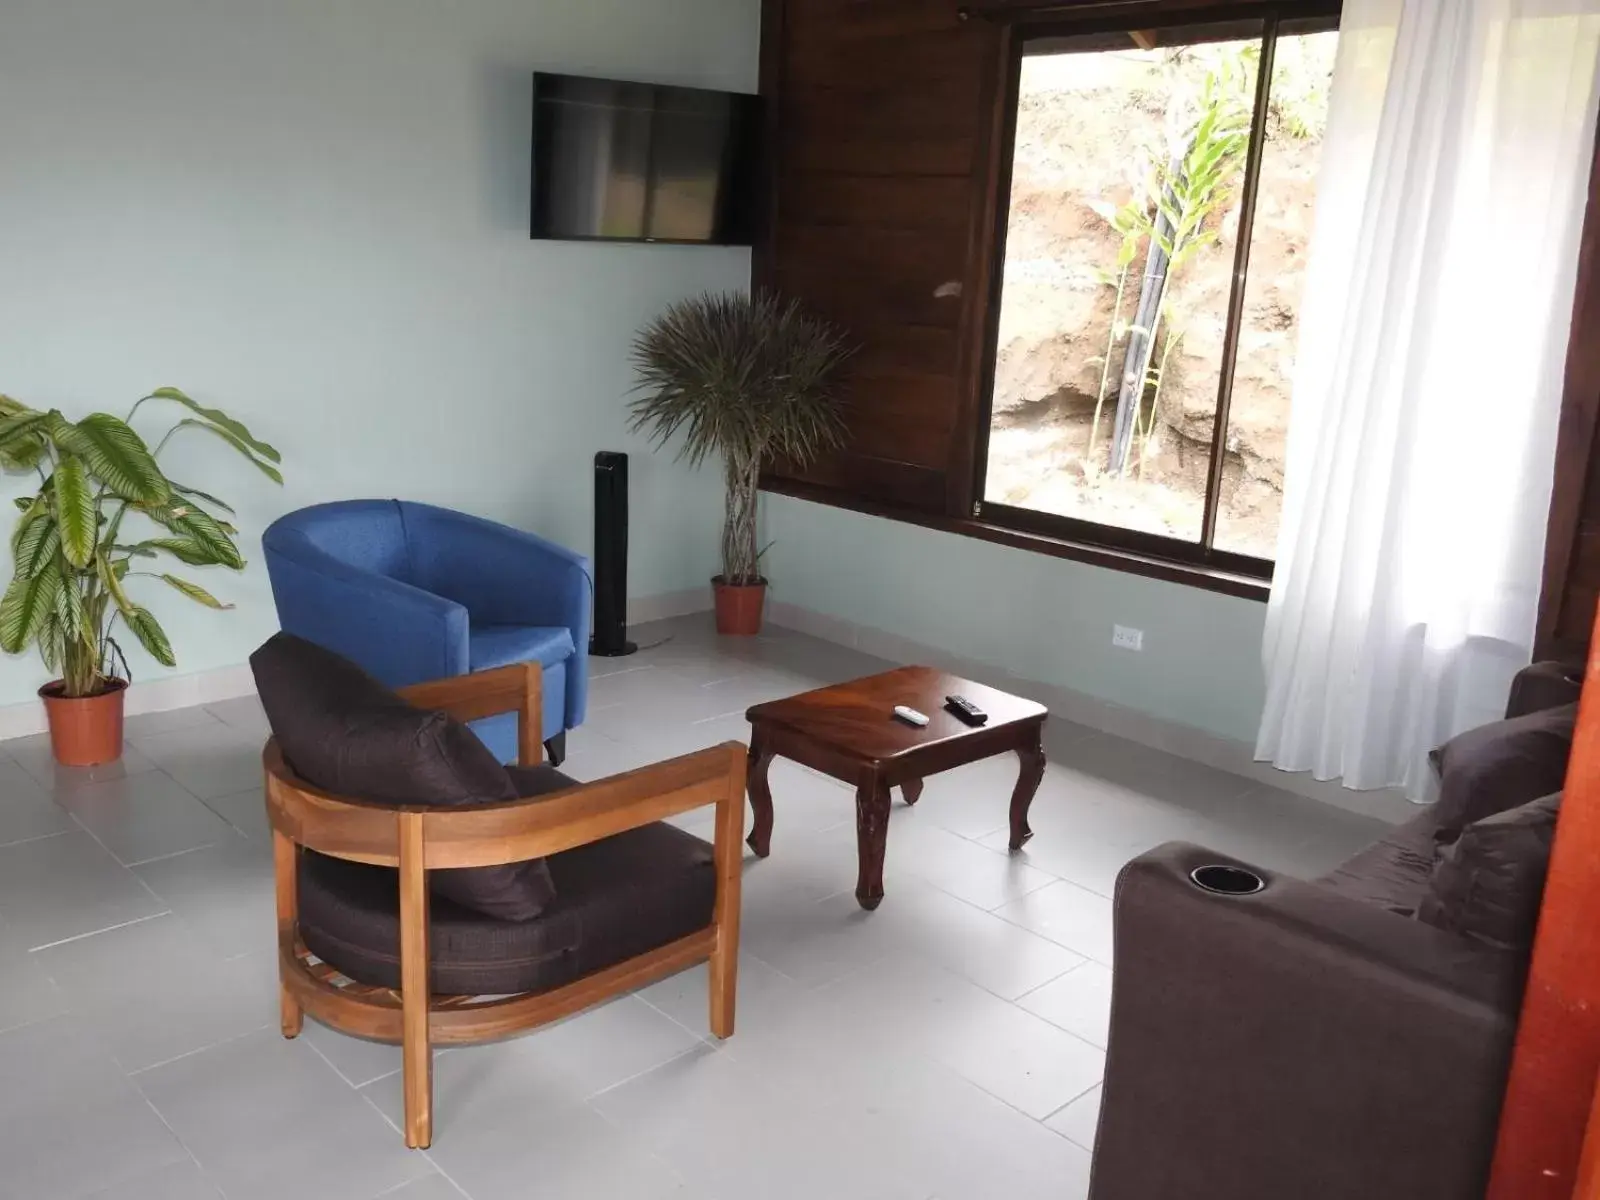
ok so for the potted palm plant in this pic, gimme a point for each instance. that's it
(747, 378)
(78, 544)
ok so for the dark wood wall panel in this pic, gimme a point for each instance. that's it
(851, 252)
(1571, 627)
(875, 480)
(876, 201)
(859, 304)
(840, 20)
(878, 114)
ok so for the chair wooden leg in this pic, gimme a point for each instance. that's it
(729, 855)
(416, 1051)
(284, 858)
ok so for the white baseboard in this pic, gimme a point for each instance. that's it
(155, 695)
(643, 609)
(228, 683)
(1186, 741)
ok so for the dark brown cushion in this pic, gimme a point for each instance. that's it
(1501, 766)
(1489, 883)
(615, 899)
(1392, 873)
(341, 730)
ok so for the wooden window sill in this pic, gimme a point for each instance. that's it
(1189, 574)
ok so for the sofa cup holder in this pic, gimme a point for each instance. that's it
(1227, 881)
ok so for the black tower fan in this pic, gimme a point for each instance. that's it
(610, 637)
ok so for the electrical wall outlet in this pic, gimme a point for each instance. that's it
(1127, 638)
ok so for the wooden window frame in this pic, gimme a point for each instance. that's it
(961, 510)
(1202, 555)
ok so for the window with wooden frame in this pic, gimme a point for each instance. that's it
(1161, 183)
(1068, 239)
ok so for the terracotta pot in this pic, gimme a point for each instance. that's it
(739, 606)
(85, 730)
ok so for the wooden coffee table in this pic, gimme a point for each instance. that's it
(849, 731)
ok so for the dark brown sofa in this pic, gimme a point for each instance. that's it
(1317, 1040)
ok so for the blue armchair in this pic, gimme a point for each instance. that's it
(412, 592)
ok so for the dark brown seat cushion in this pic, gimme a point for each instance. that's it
(614, 899)
(341, 730)
(1489, 883)
(1393, 873)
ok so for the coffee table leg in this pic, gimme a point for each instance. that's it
(1028, 781)
(911, 789)
(872, 836)
(760, 758)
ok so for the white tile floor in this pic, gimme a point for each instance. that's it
(949, 1045)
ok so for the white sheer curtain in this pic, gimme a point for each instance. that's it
(1433, 332)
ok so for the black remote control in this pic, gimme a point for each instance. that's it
(965, 710)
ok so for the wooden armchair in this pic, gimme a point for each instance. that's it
(416, 840)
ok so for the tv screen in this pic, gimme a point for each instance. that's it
(641, 162)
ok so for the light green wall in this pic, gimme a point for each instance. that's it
(1040, 618)
(314, 213)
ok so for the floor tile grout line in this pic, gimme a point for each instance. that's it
(1052, 1115)
(1087, 957)
(1069, 1032)
(44, 837)
(167, 1062)
(334, 1067)
(182, 1145)
(78, 937)
(427, 1154)
(1070, 970)
(438, 1170)
(705, 1038)
(666, 1062)
(145, 862)
(39, 1020)
(737, 712)
(129, 870)
(622, 1131)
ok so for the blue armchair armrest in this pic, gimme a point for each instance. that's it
(505, 576)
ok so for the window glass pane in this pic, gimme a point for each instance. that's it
(1119, 262)
(1258, 415)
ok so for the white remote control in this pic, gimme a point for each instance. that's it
(910, 715)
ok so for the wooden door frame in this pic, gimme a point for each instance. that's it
(1554, 1065)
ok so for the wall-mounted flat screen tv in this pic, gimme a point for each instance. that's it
(640, 162)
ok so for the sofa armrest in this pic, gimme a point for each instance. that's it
(1295, 1042)
(400, 633)
(1544, 685)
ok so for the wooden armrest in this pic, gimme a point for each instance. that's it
(488, 694)
(490, 834)
(513, 830)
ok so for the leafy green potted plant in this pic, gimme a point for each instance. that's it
(73, 559)
(747, 378)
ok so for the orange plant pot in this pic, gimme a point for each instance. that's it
(85, 731)
(739, 606)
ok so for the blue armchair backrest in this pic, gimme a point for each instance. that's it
(341, 577)
(367, 535)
